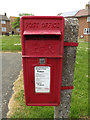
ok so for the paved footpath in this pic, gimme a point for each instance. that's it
(11, 66)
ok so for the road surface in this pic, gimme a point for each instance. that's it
(11, 66)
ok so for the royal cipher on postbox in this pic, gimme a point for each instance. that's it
(42, 39)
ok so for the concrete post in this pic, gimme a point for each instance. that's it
(70, 35)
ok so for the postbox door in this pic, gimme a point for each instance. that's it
(40, 96)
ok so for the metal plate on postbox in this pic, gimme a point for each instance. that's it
(41, 60)
(42, 79)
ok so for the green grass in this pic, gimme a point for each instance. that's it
(8, 43)
(79, 101)
(32, 111)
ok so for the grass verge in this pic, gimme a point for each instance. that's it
(11, 43)
(79, 102)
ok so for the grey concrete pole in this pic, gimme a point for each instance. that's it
(69, 57)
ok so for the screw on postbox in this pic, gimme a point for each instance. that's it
(42, 39)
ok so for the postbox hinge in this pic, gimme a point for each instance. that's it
(71, 44)
(66, 87)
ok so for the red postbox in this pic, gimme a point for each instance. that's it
(42, 39)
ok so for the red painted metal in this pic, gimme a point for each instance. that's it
(66, 87)
(70, 44)
(42, 37)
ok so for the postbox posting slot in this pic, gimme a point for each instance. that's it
(42, 33)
